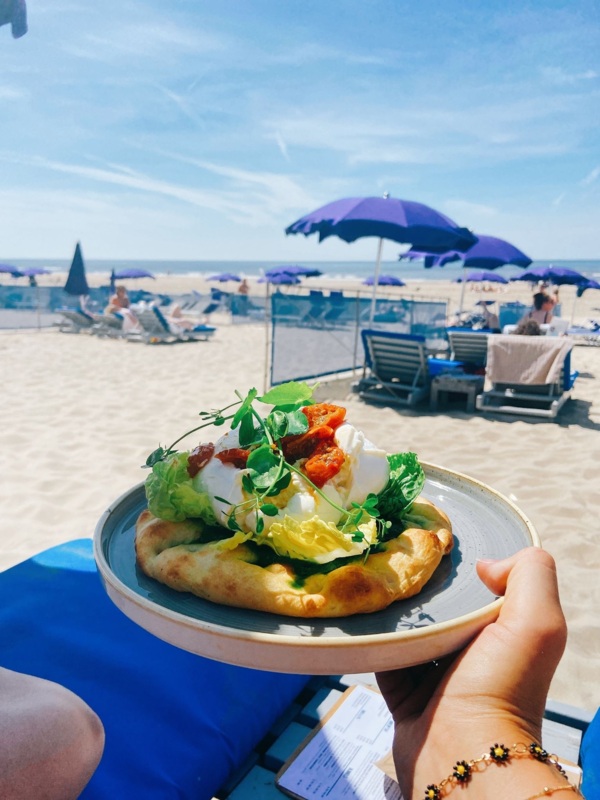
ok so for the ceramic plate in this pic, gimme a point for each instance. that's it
(447, 613)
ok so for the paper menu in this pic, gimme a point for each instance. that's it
(338, 759)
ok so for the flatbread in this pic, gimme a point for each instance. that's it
(170, 553)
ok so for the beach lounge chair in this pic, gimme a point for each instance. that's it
(337, 306)
(468, 347)
(527, 375)
(397, 368)
(177, 725)
(108, 324)
(155, 328)
(316, 310)
(75, 320)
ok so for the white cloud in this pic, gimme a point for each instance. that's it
(279, 141)
(560, 77)
(591, 177)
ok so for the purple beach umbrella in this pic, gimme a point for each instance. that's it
(294, 269)
(488, 252)
(559, 276)
(10, 270)
(132, 272)
(225, 277)
(581, 288)
(403, 221)
(384, 280)
(385, 217)
(282, 279)
(30, 272)
(481, 276)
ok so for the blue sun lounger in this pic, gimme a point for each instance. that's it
(177, 726)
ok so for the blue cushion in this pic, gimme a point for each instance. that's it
(590, 760)
(176, 724)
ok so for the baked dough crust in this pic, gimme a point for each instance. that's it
(170, 553)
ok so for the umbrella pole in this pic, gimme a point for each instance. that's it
(573, 308)
(376, 281)
(267, 325)
(462, 291)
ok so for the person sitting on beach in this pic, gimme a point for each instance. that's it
(490, 319)
(120, 304)
(243, 288)
(542, 308)
(471, 717)
(119, 300)
(528, 327)
(50, 740)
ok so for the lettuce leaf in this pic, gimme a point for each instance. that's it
(171, 494)
(404, 485)
(319, 541)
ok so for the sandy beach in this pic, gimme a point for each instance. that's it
(81, 414)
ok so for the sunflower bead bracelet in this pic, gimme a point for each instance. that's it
(499, 754)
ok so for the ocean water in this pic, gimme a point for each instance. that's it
(334, 270)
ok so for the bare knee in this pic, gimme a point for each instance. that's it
(50, 740)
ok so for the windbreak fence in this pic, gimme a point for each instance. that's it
(319, 335)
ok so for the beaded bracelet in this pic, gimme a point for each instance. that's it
(498, 754)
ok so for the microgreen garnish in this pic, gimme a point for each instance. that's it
(267, 471)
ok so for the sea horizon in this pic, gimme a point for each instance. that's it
(333, 270)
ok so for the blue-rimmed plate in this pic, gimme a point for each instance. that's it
(447, 613)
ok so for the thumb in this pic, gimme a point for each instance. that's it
(531, 606)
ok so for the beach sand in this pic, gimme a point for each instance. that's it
(80, 415)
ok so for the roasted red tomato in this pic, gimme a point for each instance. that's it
(235, 455)
(326, 461)
(199, 457)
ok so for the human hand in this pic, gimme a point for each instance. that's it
(493, 691)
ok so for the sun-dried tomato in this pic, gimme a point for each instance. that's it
(324, 414)
(199, 458)
(325, 462)
(235, 455)
(303, 444)
(323, 419)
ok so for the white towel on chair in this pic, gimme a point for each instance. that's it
(532, 360)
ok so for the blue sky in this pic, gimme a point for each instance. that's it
(188, 129)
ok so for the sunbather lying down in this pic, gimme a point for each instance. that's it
(50, 740)
(176, 317)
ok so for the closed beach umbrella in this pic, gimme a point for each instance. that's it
(402, 221)
(77, 284)
(224, 277)
(384, 280)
